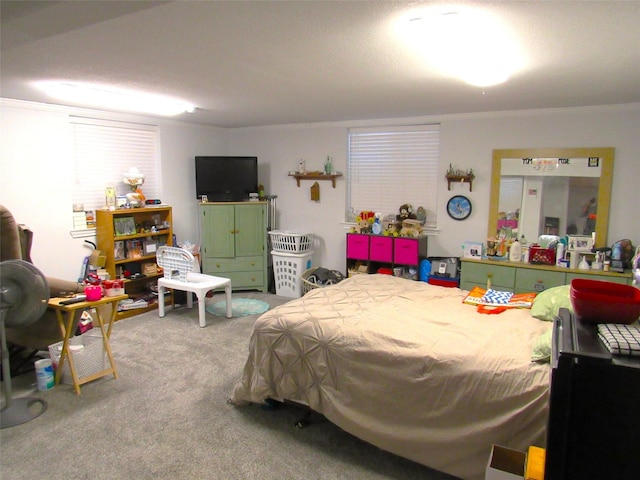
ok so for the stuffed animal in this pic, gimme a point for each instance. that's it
(406, 212)
(411, 228)
(362, 225)
(364, 221)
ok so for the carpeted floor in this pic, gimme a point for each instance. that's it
(167, 416)
(240, 307)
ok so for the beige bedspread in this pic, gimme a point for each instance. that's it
(405, 366)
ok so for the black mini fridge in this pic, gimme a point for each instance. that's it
(594, 410)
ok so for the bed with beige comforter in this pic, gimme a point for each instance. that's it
(405, 366)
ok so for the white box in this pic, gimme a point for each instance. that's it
(505, 464)
(79, 221)
(473, 250)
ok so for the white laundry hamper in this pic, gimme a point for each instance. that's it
(287, 271)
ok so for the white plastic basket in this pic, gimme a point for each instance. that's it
(290, 242)
(287, 271)
(89, 355)
(307, 280)
(307, 286)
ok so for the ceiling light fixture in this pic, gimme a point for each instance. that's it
(113, 99)
(468, 44)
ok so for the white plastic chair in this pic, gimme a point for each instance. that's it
(178, 265)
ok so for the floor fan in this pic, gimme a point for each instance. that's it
(24, 294)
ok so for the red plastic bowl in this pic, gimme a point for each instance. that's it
(604, 302)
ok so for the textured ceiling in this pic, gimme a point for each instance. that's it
(246, 63)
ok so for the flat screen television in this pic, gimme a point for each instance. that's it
(226, 178)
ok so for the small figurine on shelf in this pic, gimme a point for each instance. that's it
(457, 172)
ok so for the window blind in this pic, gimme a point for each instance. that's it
(388, 167)
(104, 151)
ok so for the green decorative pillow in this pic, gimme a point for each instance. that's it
(542, 348)
(547, 303)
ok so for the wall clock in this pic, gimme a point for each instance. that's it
(459, 207)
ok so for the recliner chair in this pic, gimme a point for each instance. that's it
(15, 244)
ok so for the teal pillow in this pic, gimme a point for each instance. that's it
(542, 347)
(547, 303)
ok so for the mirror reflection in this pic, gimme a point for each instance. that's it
(534, 206)
(551, 192)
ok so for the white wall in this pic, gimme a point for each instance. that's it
(35, 160)
(467, 141)
(180, 144)
(279, 150)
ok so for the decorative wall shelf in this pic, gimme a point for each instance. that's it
(310, 176)
(460, 179)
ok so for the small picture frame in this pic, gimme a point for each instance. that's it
(134, 249)
(580, 243)
(149, 247)
(119, 252)
(124, 226)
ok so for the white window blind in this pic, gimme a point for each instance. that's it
(391, 166)
(104, 151)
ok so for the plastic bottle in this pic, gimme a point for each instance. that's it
(328, 166)
(583, 265)
(616, 253)
(44, 374)
(515, 252)
(524, 246)
(559, 253)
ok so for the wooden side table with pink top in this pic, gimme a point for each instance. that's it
(65, 315)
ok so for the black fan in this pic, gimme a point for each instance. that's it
(24, 294)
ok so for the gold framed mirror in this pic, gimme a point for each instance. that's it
(552, 182)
